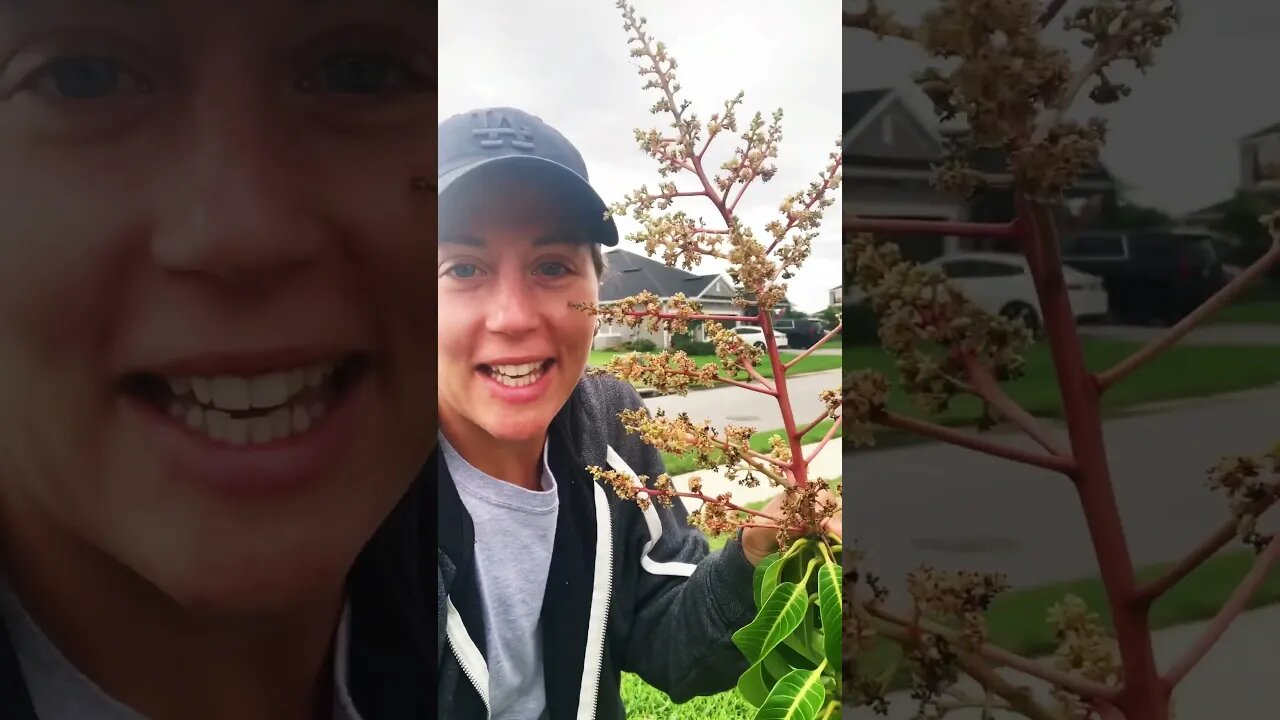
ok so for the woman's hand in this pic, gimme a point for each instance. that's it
(761, 542)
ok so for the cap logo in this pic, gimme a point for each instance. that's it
(496, 129)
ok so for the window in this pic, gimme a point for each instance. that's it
(980, 269)
(1097, 246)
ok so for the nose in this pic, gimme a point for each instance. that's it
(513, 309)
(240, 213)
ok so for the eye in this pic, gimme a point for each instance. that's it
(553, 269)
(365, 73)
(463, 271)
(86, 77)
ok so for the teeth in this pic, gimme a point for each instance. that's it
(216, 399)
(269, 390)
(230, 393)
(237, 392)
(530, 373)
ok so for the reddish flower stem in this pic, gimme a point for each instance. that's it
(675, 316)
(1149, 593)
(1171, 336)
(1050, 12)
(1235, 605)
(932, 227)
(809, 351)
(972, 442)
(826, 415)
(799, 471)
(1145, 696)
(706, 499)
(1079, 685)
(831, 432)
(827, 178)
(985, 386)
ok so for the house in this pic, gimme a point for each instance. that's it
(1259, 178)
(890, 149)
(835, 296)
(629, 274)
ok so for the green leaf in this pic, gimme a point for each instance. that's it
(756, 682)
(759, 580)
(781, 615)
(798, 696)
(832, 607)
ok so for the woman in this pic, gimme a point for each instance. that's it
(549, 584)
(214, 359)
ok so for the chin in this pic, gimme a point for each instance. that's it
(521, 427)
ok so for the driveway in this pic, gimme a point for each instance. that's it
(957, 509)
(736, 406)
(1225, 334)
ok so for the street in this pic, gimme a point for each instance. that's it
(955, 508)
(735, 406)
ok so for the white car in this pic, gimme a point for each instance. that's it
(754, 334)
(1000, 283)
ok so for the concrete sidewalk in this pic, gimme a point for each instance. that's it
(826, 465)
(1235, 681)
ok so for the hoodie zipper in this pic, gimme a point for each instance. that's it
(454, 622)
(601, 598)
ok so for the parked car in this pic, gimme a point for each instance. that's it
(1152, 276)
(754, 334)
(800, 332)
(1001, 283)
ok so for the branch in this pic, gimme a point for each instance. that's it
(863, 21)
(1147, 594)
(706, 499)
(831, 432)
(801, 432)
(984, 385)
(1066, 466)
(1050, 12)
(1229, 612)
(814, 196)
(1081, 686)
(1171, 336)
(818, 345)
(935, 227)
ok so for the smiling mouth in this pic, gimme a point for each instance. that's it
(251, 409)
(518, 375)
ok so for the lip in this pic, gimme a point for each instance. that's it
(257, 472)
(518, 395)
(247, 363)
(517, 360)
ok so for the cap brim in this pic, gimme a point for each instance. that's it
(593, 206)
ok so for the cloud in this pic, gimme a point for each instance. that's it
(568, 62)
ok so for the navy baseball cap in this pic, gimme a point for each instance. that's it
(498, 139)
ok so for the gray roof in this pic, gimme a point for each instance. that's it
(631, 274)
(858, 103)
(1268, 130)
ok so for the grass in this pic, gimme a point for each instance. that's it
(1183, 372)
(1258, 312)
(645, 702)
(813, 363)
(677, 464)
(1018, 622)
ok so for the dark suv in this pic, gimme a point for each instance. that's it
(1151, 276)
(800, 332)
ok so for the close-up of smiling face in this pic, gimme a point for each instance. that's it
(511, 347)
(214, 360)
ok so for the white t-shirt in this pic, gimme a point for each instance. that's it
(515, 531)
(59, 691)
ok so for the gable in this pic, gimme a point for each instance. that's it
(893, 132)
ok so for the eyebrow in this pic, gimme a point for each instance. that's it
(473, 241)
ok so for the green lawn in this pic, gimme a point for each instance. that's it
(1017, 620)
(1265, 312)
(645, 702)
(1182, 372)
(813, 363)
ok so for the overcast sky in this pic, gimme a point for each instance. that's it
(567, 62)
(1173, 141)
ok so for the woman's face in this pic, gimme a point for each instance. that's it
(511, 349)
(214, 366)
